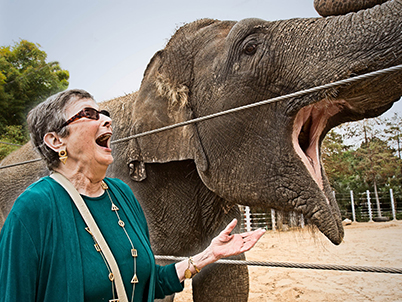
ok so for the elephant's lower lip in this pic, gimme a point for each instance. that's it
(337, 240)
(333, 230)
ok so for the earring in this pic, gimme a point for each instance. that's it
(63, 156)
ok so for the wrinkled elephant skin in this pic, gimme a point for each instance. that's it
(190, 179)
(268, 155)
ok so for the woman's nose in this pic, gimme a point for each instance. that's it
(106, 121)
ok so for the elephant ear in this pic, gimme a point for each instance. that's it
(162, 101)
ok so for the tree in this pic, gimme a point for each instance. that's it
(394, 131)
(11, 139)
(335, 156)
(377, 164)
(364, 130)
(370, 163)
(338, 159)
(26, 79)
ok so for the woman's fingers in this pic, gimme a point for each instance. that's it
(229, 228)
(250, 239)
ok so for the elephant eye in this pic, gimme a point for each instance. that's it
(250, 49)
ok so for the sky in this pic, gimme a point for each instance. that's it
(107, 44)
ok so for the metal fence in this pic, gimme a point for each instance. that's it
(364, 207)
(272, 220)
(357, 207)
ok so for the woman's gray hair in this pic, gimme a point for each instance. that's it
(49, 116)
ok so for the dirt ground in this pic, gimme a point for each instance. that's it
(376, 244)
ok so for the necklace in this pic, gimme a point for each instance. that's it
(134, 279)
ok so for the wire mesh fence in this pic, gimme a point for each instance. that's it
(357, 207)
(270, 220)
(367, 206)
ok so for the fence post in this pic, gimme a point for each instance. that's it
(248, 219)
(292, 219)
(369, 206)
(301, 220)
(377, 199)
(273, 219)
(353, 205)
(391, 194)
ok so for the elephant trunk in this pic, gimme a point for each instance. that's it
(371, 39)
(336, 48)
(336, 7)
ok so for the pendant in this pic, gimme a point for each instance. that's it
(114, 207)
(64, 157)
(88, 230)
(104, 185)
(135, 279)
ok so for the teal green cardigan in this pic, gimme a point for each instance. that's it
(39, 247)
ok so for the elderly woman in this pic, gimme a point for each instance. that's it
(47, 250)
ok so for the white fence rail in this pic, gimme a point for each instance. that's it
(369, 207)
(361, 208)
(273, 220)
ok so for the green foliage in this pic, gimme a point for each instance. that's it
(394, 133)
(376, 162)
(14, 136)
(26, 79)
(371, 161)
(336, 158)
(363, 131)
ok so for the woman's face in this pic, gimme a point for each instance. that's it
(88, 142)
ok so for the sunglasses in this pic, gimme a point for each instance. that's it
(87, 112)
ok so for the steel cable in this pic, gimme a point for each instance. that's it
(21, 163)
(5, 143)
(387, 270)
(273, 100)
(333, 267)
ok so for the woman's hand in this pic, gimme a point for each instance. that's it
(226, 244)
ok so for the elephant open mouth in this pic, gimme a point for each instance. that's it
(309, 125)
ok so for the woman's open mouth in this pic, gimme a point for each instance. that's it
(104, 140)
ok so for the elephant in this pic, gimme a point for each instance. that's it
(337, 7)
(190, 179)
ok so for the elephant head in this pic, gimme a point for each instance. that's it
(268, 155)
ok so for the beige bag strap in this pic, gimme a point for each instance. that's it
(89, 220)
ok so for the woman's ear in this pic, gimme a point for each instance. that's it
(53, 141)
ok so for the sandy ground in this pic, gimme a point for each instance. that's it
(366, 244)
